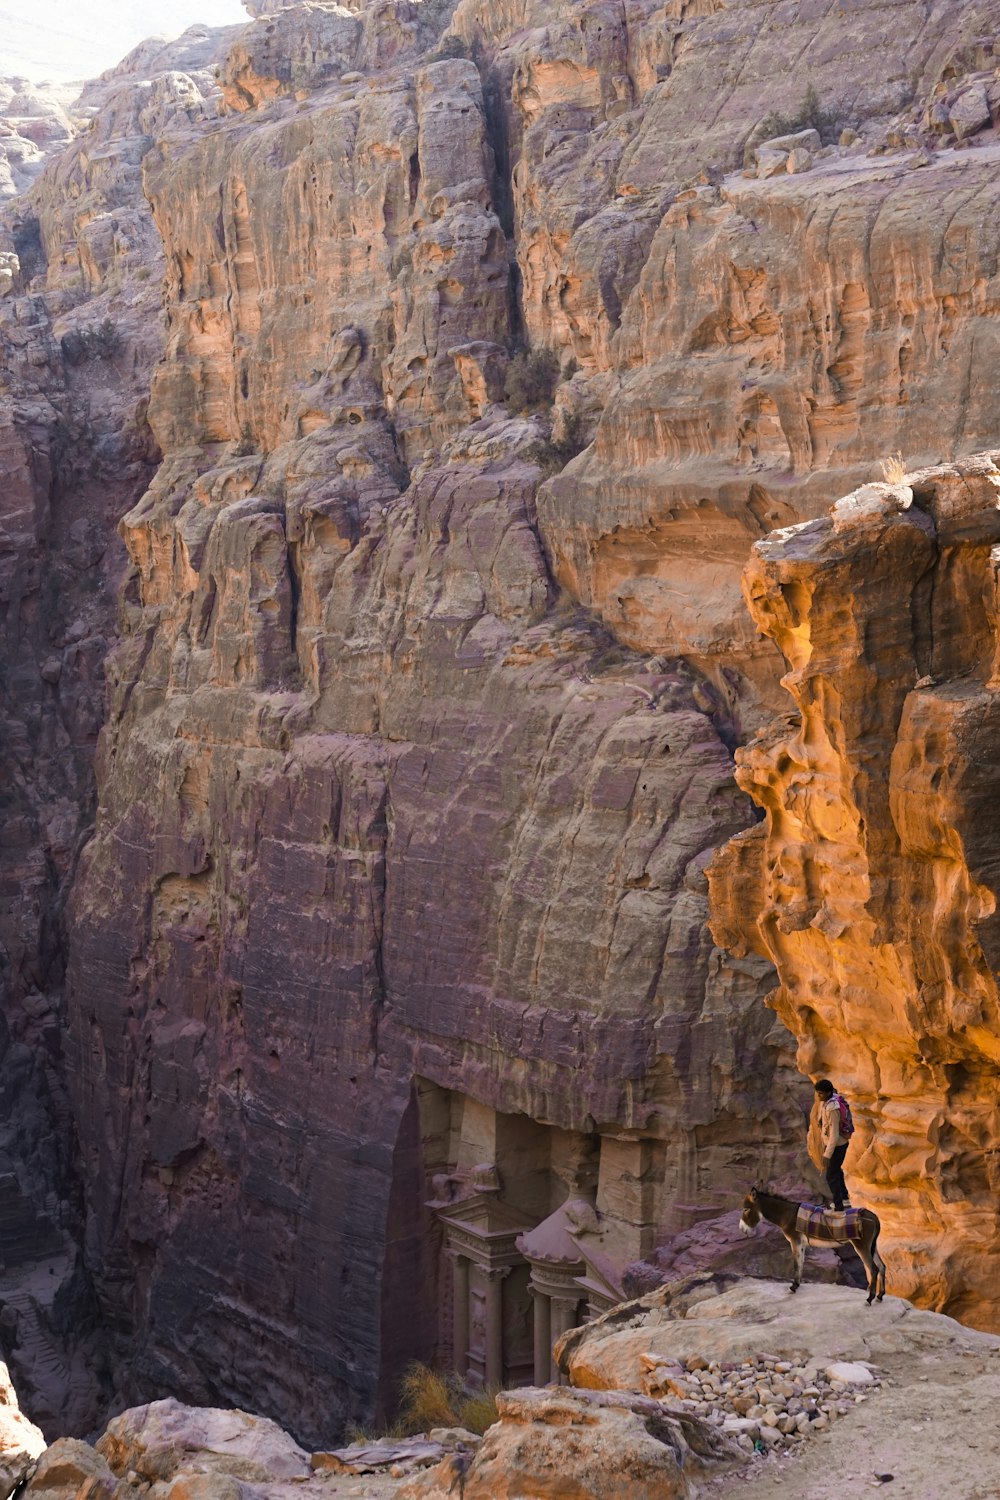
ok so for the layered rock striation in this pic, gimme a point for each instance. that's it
(419, 729)
(79, 313)
(872, 882)
(381, 813)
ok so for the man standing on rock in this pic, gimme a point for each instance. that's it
(836, 1129)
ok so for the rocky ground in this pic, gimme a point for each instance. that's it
(931, 1426)
(912, 1381)
(725, 1388)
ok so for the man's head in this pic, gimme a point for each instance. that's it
(824, 1090)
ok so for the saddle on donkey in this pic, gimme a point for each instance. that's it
(827, 1226)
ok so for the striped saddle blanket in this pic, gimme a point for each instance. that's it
(827, 1226)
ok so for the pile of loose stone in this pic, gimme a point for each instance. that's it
(764, 1402)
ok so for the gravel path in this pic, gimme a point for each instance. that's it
(933, 1427)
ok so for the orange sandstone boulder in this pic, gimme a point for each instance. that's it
(562, 1444)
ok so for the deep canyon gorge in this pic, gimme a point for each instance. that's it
(499, 543)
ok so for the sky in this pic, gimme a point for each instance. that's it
(73, 40)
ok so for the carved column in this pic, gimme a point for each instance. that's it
(494, 1278)
(459, 1312)
(542, 1336)
(563, 1319)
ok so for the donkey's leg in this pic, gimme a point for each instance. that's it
(869, 1265)
(797, 1245)
(880, 1268)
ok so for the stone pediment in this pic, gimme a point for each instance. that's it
(483, 1225)
(601, 1289)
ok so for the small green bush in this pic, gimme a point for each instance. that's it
(97, 341)
(532, 377)
(809, 116)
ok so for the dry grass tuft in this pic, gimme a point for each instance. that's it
(479, 1411)
(893, 469)
(356, 1432)
(428, 1399)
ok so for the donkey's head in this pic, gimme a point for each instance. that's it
(751, 1215)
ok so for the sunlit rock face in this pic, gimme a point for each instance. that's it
(33, 125)
(744, 346)
(872, 883)
(780, 338)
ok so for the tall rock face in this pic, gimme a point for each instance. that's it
(872, 884)
(744, 341)
(80, 267)
(484, 359)
(397, 887)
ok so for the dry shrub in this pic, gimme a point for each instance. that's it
(479, 1411)
(893, 469)
(428, 1399)
(356, 1432)
(532, 377)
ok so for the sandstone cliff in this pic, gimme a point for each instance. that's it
(79, 274)
(378, 805)
(420, 728)
(33, 125)
(872, 884)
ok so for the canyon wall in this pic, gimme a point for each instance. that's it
(430, 656)
(381, 811)
(80, 271)
(872, 884)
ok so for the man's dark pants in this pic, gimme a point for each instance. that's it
(835, 1175)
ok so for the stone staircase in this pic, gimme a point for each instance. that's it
(36, 1354)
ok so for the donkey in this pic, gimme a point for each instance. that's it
(804, 1224)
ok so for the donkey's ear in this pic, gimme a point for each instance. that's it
(754, 1191)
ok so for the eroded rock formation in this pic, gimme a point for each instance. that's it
(33, 126)
(383, 818)
(672, 1396)
(872, 884)
(391, 937)
(379, 867)
(20, 1440)
(578, 1445)
(79, 326)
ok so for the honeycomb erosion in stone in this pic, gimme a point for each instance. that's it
(872, 883)
(368, 732)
